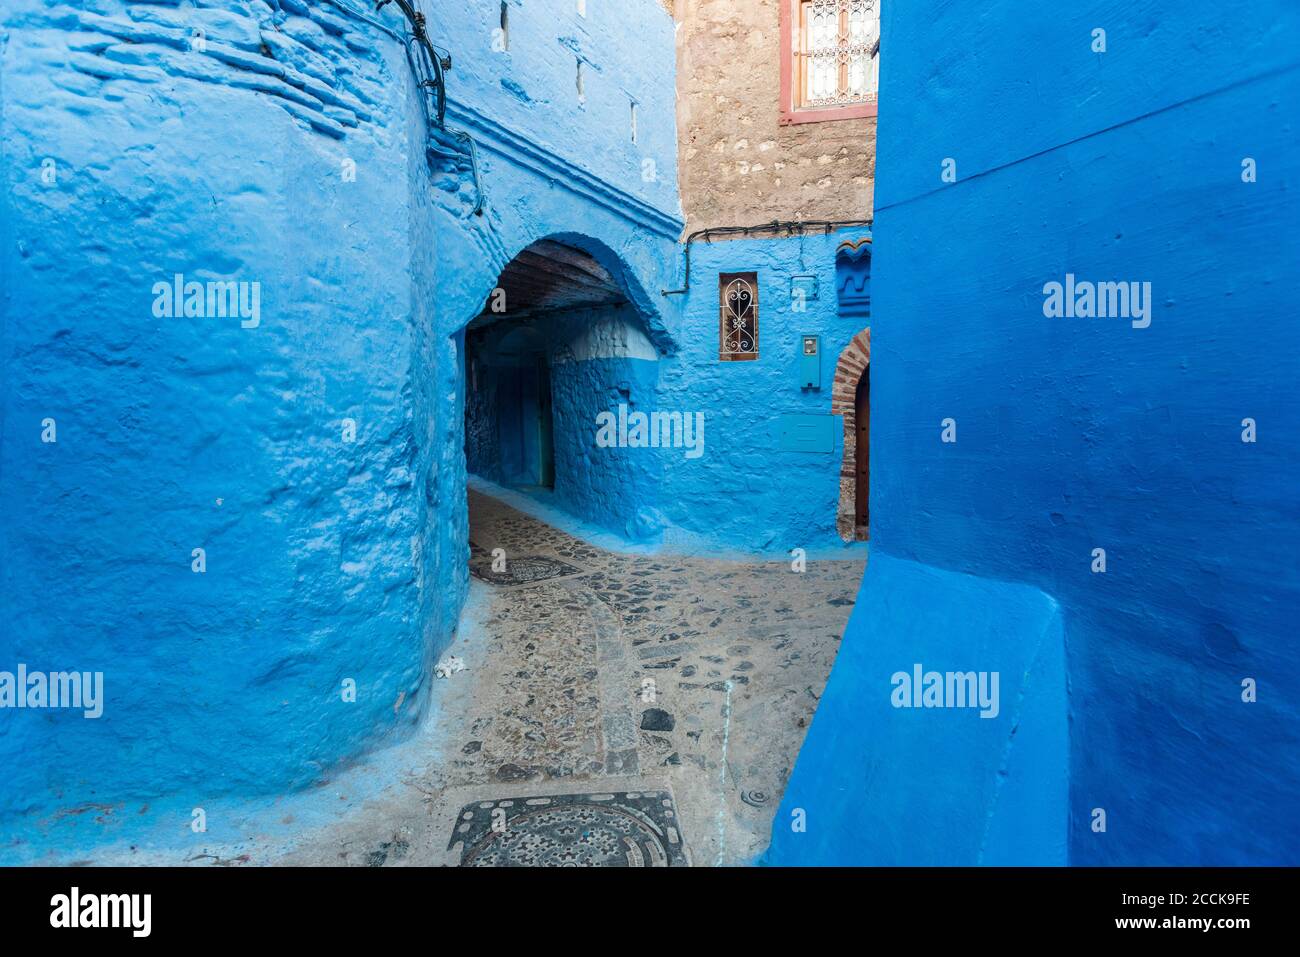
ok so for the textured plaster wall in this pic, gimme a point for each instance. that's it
(194, 432)
(523, 97)
(326, 559)
(1072, 435)
(738, 165)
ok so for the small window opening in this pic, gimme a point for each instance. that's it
(738, 319)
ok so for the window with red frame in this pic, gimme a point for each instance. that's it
(829, 55)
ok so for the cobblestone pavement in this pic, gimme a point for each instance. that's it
(699, 674)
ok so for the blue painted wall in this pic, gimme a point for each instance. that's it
(1076, 434)
(913, 786)
(746, 492)
(195, 432)
(326, 558)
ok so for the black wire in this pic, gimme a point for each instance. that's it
(791, 227)
(434, 64)
(430, 67)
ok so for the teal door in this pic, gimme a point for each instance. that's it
(545, 427)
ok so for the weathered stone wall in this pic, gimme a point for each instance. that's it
(738, 166)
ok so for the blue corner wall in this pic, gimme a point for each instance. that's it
(935, 786)
(1074, 434)
(131, 156)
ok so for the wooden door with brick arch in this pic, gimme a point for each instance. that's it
(862, 470)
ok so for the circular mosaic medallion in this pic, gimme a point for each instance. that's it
(573, 835)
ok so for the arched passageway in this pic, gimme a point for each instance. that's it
(557, 343)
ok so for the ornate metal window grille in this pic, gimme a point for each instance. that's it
(839, 52)
(738, 330)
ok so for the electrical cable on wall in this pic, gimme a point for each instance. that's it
(433, 63)
(430, 65)
(798, 227)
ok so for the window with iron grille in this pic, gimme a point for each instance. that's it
(830, 55)
(738, 322)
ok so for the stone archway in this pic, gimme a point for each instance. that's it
(849, 370)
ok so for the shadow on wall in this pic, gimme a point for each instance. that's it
(509, 424)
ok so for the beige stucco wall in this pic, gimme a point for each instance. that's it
(737, 165)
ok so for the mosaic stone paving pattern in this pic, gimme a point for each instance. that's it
(701, 672)
(620, 829)
(519, 570)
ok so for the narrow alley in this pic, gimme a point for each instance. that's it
(655, 433)
(699, 676)
(594, 673)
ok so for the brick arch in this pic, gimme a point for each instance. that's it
(853, 362)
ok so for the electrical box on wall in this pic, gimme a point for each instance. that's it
(802, 290)
(807, 433)
(810, 363)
